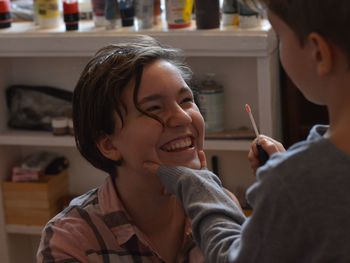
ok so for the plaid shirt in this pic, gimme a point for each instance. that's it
(96, 228)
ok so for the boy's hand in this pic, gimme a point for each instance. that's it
(270, 146)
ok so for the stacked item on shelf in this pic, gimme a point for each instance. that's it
(37, 189)
(37, 165)
(40, 108)
(138, 14)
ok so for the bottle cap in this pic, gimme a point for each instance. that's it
(4, 6)
(70, 7)
(5, 15)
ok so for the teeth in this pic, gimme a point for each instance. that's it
(178, 144)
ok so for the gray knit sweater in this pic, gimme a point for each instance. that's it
(301, 207)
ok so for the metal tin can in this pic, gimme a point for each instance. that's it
(211, 103)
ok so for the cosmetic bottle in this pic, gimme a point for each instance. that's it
(48, 13)
(157, 12)
(85, 10)
(207, 14)
(5, 14)
(248, 17)
(144, 13)
(112, 14)
(127, 12)
(71, 14)
(178, 13)
(230, 14)
(98, 12)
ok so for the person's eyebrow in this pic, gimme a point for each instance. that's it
(155, 97)
(185, 90)
(150, 98)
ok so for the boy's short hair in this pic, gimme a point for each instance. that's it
(97, 95)
(329, 18)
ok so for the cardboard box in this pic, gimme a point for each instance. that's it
(34, 203)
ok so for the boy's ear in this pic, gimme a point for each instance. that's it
(321, 53)
(107, 149)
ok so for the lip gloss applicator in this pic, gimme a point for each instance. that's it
(263, 156)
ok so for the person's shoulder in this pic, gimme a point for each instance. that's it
(306, 162)
(75, 210)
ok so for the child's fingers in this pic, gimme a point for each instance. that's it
(253, 154)
(253, 158)
(269, 145)
(202, 159)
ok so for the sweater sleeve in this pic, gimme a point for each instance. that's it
(220, 228)
(216, 219)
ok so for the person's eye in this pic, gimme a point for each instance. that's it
(187, 100)
(153, 108)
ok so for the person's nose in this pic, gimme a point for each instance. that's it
(178, 117)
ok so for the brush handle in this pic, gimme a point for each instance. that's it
(263, 156)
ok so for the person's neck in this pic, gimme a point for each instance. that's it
(159, 216)
(151, 209)
(339, 115)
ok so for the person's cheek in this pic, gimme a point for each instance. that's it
(201, 131)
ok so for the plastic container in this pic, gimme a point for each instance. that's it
(211, 104)
(48, 13)
(179, 13)
(157, 12)
(127, 12)
(230, 13)
(144, 13)
(248, 18)
(98, 13)
(111, 14)
(85, 10)
(207, 14)
(5, 14)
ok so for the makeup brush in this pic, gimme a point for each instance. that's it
(263, 156)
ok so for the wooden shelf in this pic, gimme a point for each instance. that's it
(23, 39)
(22, 229)
(38, 138)
(35, 138)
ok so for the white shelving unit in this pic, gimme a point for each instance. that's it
(244, 61)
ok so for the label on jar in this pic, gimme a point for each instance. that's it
(48, 8)
(212, 108)
(179, 13)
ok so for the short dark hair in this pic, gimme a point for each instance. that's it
(97, 95)
(329, 18)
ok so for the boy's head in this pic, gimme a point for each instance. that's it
(329, 18)
(98, 94)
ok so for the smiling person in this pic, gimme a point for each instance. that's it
(132, 103)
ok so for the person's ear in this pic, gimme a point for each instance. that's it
(321, 53)
(107, 149)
